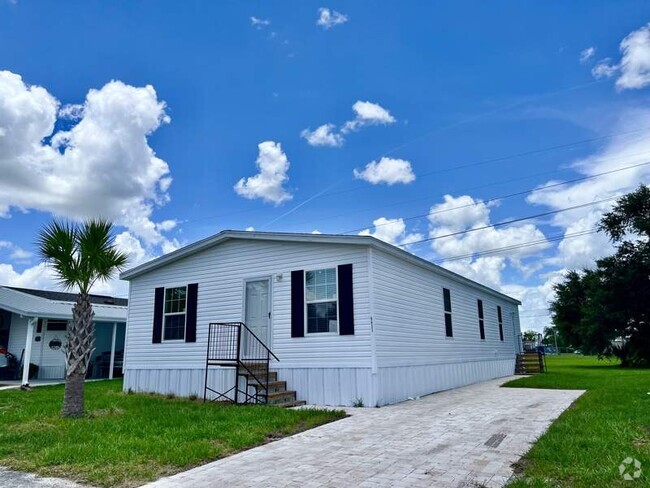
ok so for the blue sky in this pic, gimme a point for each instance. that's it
(449, 84)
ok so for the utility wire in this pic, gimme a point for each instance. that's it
(522, 245)
(482, 162)
(452, 125)
(510, 195)
(512, 221)
(327, 191)
(461, 190)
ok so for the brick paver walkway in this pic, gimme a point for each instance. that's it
(465, 437)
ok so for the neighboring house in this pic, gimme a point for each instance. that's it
(349, 317)
(33, 325)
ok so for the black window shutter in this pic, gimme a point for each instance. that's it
(346, 300)
(298, 303)
(158, 303)
(190, 312)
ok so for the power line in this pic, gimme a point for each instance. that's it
(503, 197)
(468, 189)
(498, 250)
(327, 193)
(455, 124)
(512, 221)
(482, 162)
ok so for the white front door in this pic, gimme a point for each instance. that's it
(257, 315)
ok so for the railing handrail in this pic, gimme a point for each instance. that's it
(248, 355)
(258, 340)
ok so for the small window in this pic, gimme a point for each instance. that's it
(57, 325)
(500, 317)
(175, 306)
(481, 320)
(321, 300)
(446, 294)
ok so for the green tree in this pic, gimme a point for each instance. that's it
(530, 335)
(80, 255)
(605, 310)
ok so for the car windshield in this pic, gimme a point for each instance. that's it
(4, 362)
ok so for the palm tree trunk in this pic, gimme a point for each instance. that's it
(79, 348)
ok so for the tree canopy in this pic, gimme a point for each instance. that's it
(605, 310)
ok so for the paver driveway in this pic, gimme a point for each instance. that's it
(464, 437)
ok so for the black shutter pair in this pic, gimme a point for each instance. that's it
(345, 296)
(190, 313)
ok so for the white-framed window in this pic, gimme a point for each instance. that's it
(321, 301)
(174, 313)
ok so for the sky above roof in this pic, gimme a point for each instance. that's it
(423, 124)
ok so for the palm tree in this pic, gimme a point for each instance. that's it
(81, 255)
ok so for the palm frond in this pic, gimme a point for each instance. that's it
(57, 246)
(80, 255)
(99, 258)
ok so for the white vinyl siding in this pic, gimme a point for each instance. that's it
(220, 272)
(409, 317)
(17, 335)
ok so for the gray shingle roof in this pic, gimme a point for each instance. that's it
(72, 297)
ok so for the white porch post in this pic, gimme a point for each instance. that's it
(112, 364)
(28, 349)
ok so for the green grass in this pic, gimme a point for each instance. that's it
(128, 439)
(586, 445)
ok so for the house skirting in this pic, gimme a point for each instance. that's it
(330, 386)
(399, 383)
(320, 386)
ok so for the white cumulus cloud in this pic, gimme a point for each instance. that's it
(633, 69)
(367, 113)
(102, 167)
(325, 135)
(392, 231)
(604, 69)
(268, 184)
(329, 18)
(458, 215)
(388, 170)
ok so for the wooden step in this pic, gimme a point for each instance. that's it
(273, 376)
(281, 397)
(295, 403)
(274, 386)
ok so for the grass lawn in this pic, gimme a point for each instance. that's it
(586, 445)
(128, 439)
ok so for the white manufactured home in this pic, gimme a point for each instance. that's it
(33, 328)
(345, 319)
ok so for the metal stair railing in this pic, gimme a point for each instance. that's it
(234, 345)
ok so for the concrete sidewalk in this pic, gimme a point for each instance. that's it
(464, 437)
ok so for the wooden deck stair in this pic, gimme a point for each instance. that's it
(529, 362)
(277, 393)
